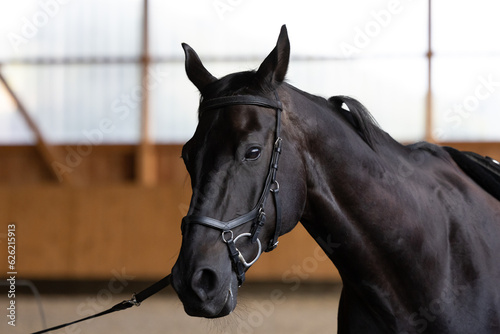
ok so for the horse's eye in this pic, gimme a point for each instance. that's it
(253, 153)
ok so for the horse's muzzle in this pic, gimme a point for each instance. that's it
(202, 296)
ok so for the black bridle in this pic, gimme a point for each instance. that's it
(257, 215)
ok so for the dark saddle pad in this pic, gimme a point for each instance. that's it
(483, 170)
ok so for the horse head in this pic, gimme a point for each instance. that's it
(232, 160)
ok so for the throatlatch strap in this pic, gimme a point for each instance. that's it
(136, 300)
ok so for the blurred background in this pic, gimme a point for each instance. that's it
(95, 106)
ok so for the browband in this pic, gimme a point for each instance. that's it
(254, 100)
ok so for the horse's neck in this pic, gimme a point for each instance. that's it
(354, 194)
(401, 224)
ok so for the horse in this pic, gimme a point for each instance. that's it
(415, 239)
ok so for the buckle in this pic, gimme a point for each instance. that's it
(277, 144)
(261, 219)
(134, 301)
(272, 246)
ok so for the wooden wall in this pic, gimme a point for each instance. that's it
(87, 232)
(106, 222)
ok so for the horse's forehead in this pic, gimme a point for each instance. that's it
(226, 129)
(238, 120)
(248, 120)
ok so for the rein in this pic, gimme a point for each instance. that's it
(136, 300)
(257, 215)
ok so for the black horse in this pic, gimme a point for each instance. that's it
(417, 241)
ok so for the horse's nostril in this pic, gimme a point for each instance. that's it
(203, 282)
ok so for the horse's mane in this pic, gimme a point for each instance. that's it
(359, 117)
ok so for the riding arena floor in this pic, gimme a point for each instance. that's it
(262, 308)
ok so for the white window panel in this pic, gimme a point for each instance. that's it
(466, 99)
(79, 103)
(318, 28)
(90, 28)
(13, 128)
(466, 70)
(371, 50)
(466, 27)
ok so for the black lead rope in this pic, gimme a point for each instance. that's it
(136, 300)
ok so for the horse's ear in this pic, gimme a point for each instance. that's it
(195, 70)
(274, 67)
